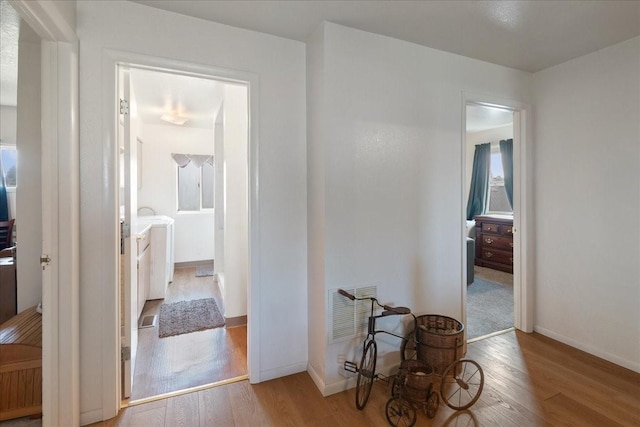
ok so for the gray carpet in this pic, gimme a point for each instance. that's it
(489, 308)
(204, 270)
(184, 317)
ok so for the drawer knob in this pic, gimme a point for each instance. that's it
(511, 259)
(511, 244)
(488, 254)
(488, 241)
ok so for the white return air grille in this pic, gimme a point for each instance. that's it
(350, 318)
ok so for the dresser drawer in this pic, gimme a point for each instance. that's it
(497, 256)
(496, 241)
(490, 228)
(505, 230)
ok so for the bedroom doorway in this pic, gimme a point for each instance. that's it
(172, 129)
(492, 180)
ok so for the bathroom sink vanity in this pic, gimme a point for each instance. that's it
(155, 237)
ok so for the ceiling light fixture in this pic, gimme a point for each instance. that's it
(173, 119)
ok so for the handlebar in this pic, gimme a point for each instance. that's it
(346, 294)
(388, 309)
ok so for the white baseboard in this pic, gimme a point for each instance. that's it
(339, 386)
(349, 383)
(629, 364)
(315, 377)
(91, 417)
(283, 371)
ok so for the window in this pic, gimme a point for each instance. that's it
(8, 165)
(497, 201)
(195, 182)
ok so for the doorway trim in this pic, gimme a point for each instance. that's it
(522, 219)
(111, 347)
(60, 200)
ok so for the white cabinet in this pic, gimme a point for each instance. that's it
(144, 268)
(162, 258)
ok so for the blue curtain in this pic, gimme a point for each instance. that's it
(4, 208)
(479, 181)
(506, 152)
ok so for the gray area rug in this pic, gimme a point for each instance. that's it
(184, 317)
(204, 270)
(489, 308)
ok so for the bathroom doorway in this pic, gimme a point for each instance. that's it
(183, 144)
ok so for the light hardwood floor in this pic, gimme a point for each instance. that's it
(175, 363)
(530, 380)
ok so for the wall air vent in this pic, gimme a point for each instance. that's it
(349, 318)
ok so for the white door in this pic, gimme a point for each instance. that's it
(128, 258)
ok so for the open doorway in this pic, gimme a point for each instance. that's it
(183, 211)
(21, 278)
(489, 224)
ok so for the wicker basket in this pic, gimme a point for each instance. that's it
(441, 341)
(418, 377)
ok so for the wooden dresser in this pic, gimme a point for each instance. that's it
(21, 365)
(494, 242)
(8, 289)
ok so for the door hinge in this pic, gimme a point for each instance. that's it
(44, 260)
(124, 107)
(125, 230)
(125, 354)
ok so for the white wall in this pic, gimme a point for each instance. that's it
(194, 231)
(386, 188)
(8, 118)
(279, 284)
(494, 135)
(218, 160)
(67, 9)
(316, 206)
(235, 140)
(29, 190)
(587, 192)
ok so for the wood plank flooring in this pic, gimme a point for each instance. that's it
(175, 363)
(530, 380)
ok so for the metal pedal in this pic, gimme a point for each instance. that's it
(350, 366)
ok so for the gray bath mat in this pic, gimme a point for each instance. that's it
(189, 316)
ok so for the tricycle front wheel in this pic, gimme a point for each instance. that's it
(400, 413)
(366, 374)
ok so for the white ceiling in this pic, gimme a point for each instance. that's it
(12, 30)
(157, 93)
(9, 33)
(526, 35)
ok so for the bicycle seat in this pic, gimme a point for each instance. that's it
(395, 310)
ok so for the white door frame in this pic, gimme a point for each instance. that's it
(111, 347)
(522, 219)
(60, 207)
